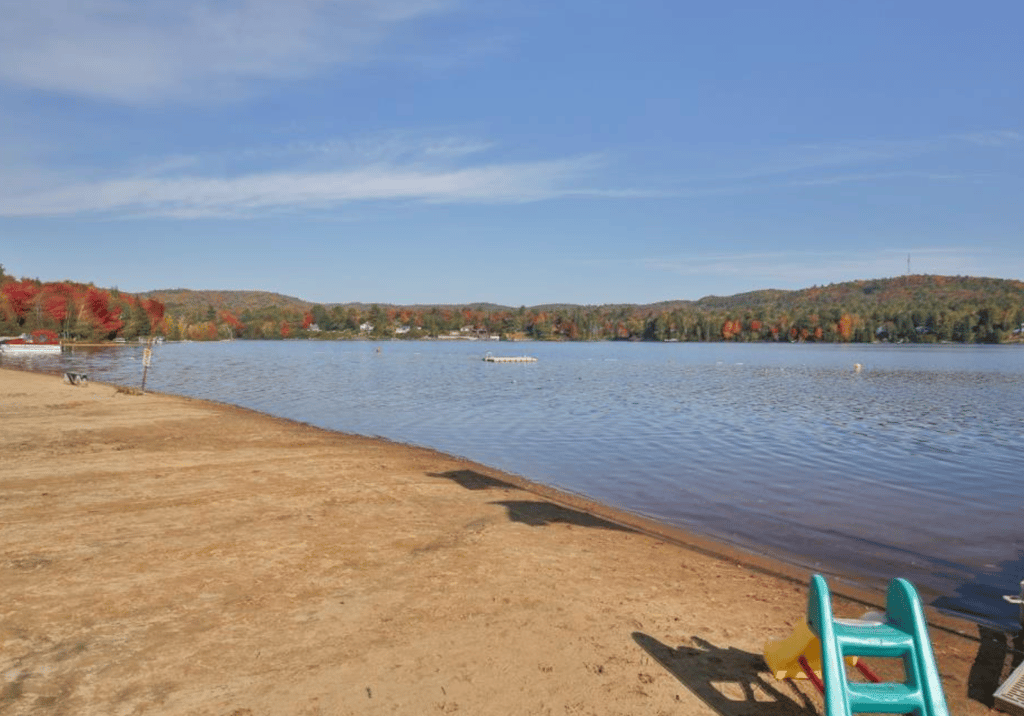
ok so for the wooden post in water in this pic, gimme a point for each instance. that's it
(147, 358)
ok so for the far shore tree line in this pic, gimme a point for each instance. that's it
(914, 309)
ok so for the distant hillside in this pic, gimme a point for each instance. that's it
(948, 290)
(745, 301)
(915, 309)
(186, 302)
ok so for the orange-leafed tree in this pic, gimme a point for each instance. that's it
(731, 328)
(846, 327)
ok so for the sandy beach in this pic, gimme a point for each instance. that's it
(161, 555)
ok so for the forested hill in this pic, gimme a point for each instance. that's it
(924, 309)
(952, 291)
(908, 308)
(187, 302)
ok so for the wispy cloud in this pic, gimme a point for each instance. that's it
(785, 269)
(875, 177)
(997, 138)
(159, 50)
(840, 162)
(190, 196)
(393, 147)
(797, 158)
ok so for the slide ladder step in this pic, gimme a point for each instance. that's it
(881, 640)
(903, 635)
(886, 697)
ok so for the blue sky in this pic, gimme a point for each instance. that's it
(528, 152)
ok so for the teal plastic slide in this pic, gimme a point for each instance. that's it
(902, 635)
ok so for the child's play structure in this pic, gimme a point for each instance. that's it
(821, 649)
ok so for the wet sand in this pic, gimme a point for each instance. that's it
(162, 555)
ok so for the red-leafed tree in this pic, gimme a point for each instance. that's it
(19, 297)
(105, 317)
(229, 319)
(155, 309)
(58, 301)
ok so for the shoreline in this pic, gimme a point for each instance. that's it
(767, 563)
(842, 584)
(162, 554)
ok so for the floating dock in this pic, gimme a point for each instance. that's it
(509, 359)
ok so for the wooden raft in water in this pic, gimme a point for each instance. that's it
(509, 359)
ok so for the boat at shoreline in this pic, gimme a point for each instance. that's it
(38, 343)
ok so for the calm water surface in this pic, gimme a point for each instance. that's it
(908, 468)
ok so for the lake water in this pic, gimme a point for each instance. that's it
(910, 467)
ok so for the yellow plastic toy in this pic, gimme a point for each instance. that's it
(784, 655)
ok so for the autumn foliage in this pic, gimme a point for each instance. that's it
(917, 309)
(75, 311)
(19, 297)
(229, 319)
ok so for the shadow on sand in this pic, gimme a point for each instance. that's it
(731, 681)
(472, 480)
(528, 512)
(540, 514)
